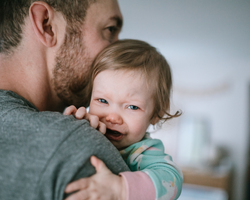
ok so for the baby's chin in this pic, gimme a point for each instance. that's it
(118, 146)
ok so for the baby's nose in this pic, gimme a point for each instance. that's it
(114, 118)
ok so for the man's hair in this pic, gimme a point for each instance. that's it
(145, 59)
(13, 13)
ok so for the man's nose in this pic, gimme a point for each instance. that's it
(114, 118)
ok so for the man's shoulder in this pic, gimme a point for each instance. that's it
(16, 111)
(46, 146)
(11, 99)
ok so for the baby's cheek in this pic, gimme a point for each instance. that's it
(93, 110)
(139, 133)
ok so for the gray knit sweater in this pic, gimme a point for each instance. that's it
(41, 152)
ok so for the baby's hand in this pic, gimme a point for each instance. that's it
(81, 113)
(104, 185)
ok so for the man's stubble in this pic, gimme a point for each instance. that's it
(71, 75)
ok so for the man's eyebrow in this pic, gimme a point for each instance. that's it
(119, 21)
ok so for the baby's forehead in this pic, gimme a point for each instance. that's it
(138, 78)
(147, 81)
(149, 78)
(131, 79)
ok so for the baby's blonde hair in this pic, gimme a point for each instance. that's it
(139, 56)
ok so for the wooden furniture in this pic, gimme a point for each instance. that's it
(210, 178)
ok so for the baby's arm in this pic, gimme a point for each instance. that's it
(81, 113)
(148, 157)
(131, 185)
(102, 185)
(105, 185)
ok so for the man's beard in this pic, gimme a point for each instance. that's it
(71, 75)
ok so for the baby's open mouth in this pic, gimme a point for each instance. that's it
(113, 135)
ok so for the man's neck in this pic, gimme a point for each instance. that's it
(21, 76)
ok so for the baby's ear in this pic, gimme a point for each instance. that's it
(154, 120)
(157, 118)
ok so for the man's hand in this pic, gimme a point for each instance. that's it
(104, 185)
(81, 113)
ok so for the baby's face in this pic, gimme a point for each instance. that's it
(124, 102)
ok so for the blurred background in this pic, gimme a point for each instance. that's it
(207, 44)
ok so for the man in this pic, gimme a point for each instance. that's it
(46, 50)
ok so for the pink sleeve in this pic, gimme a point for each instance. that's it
(139, 186)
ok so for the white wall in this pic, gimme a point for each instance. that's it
(207, 44)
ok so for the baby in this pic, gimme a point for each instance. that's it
(131, 86)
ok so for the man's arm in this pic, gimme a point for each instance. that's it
(42, 152)
(71, 160)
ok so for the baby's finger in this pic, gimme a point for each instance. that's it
(80, 113)
(80, 195)
(77, 185)
(102, 127)
(70, 110)
(93, 120)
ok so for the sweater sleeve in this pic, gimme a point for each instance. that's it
(139, 186)
(41, 152)
(70, 158)
(148, 156)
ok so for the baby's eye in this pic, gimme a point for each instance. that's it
(103, 101)
(132, 107)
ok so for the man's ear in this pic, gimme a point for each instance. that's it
(41, 16)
